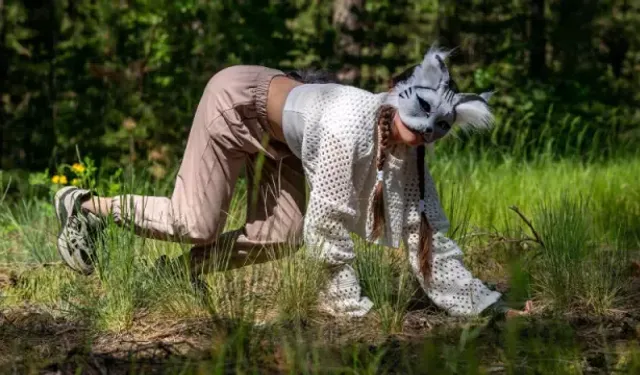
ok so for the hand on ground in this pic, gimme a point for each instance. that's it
(527, 310)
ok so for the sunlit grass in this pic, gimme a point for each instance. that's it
(587, 215)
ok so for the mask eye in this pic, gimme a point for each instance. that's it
(443, 125)
(423, 103)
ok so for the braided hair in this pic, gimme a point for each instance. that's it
(425, 250)
(385, 119)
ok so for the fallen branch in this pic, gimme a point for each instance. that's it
(538, 239)
(495, 238)
(30, 266)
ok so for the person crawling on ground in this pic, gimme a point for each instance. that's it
(362, 155)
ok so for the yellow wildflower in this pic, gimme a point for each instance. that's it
(78, 168)
(59, 179)
(75, 182)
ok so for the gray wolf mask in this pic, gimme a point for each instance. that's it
(429, 104)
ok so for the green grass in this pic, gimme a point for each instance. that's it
(587, 217)
(388, 281)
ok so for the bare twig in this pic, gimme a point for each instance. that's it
(496, 238)
(538, 239)
(30, 266)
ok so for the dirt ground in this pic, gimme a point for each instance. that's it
(33, 339)
(30, 336)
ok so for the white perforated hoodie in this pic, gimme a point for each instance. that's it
(338, 151)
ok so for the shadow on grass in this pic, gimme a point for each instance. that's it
(36, 342)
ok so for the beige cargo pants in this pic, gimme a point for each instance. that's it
(230, 131)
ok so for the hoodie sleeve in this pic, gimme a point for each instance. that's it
(333, 209)
(452, 287)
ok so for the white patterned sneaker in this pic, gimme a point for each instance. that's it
(78, 230)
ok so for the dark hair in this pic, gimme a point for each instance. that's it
(312, 76)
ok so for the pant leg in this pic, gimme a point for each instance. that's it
(217, 148)
(196, 211)
(276, 201)
(275, 213)
(275, 210)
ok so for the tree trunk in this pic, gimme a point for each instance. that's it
(617, 41)
(537, 40)
(573, 35)
(485, 38)
(51, 51)
(346, 22)
(449, 26)
(4, 75)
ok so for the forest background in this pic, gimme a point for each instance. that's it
(100, 75)
(545, 206)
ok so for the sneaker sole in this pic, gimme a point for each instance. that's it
(62, 215)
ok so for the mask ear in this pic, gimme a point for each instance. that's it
(487, 96)
(432, 70)
(472, 111)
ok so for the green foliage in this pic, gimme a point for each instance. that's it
(120, 81)
(586, 213)
(388, 281)
(99, 74)
(84, 175)
(577, 270)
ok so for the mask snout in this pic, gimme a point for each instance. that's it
(429, 130)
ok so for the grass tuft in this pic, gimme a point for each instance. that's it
(575, 269)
